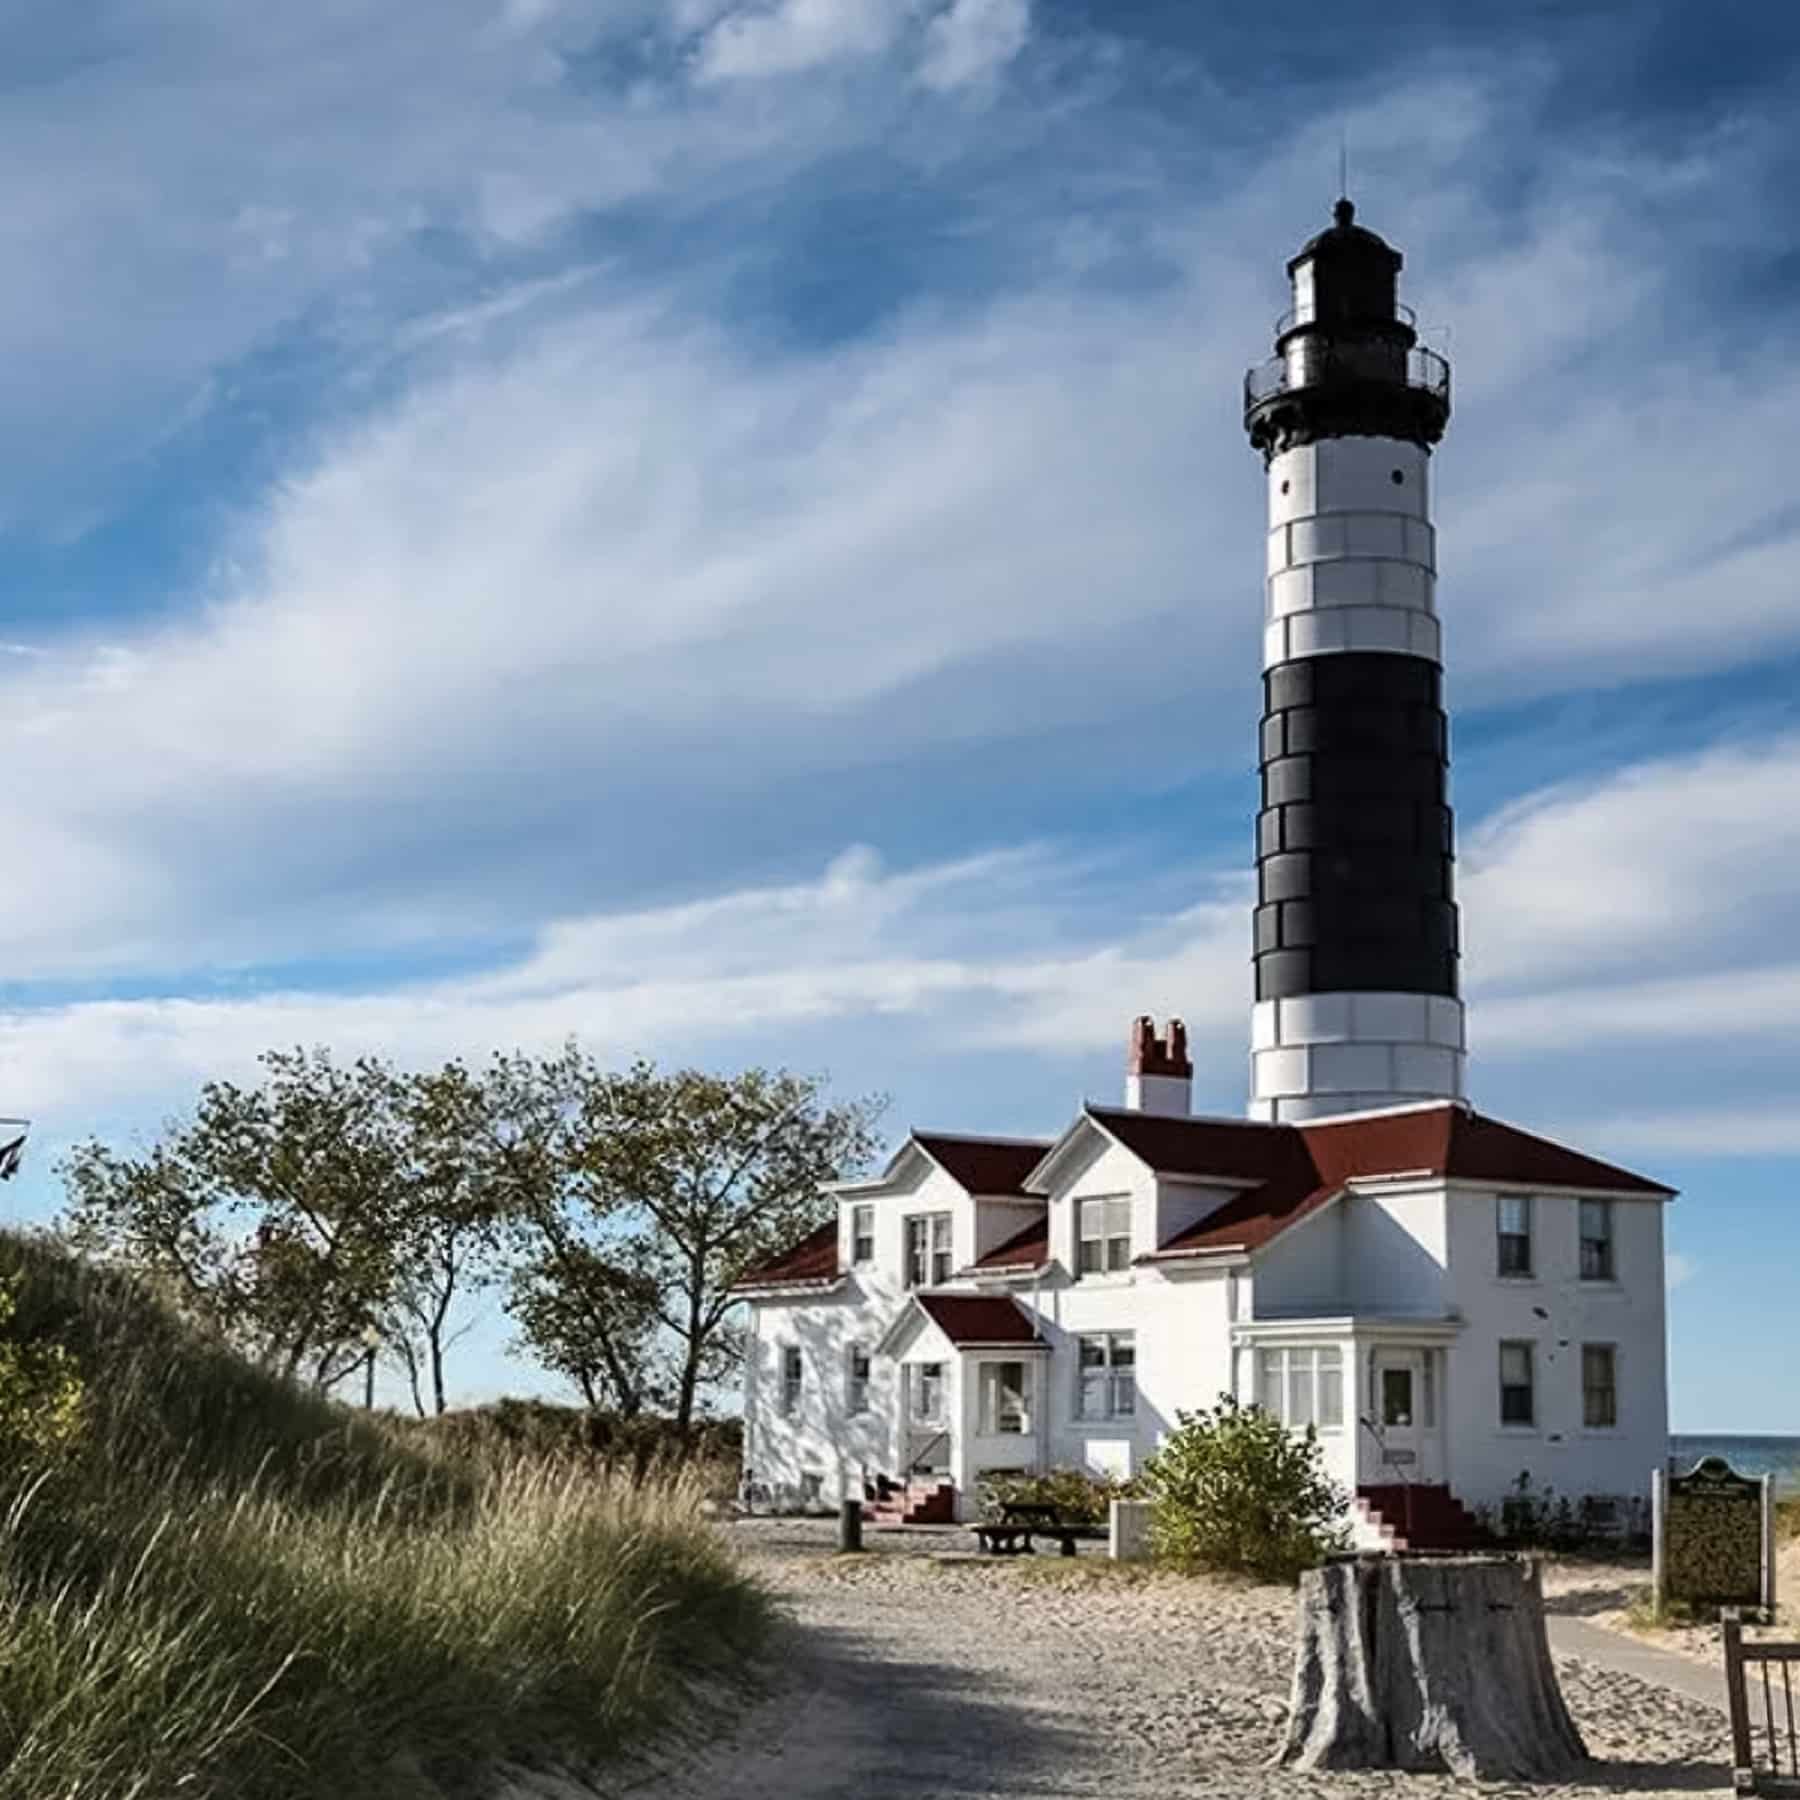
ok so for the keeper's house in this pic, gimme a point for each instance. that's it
(1453, 1302)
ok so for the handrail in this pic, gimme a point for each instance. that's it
(1424, 370)
(1406, 1481)
(917, 1461)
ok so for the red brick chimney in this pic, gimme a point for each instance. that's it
(1159, 1077)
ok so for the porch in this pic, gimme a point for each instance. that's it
(1376, 1391)
(965, 1408)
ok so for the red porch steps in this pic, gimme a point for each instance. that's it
(918, 1503)
(1419, 1517)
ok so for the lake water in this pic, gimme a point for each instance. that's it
(1777, 1456)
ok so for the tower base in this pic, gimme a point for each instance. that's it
(1321, 1054)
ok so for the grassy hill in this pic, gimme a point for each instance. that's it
(227, 1587)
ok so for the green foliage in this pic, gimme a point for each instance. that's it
(1078, 1497)
(230, 1587)
(40, 1389)
(687, 1180)
(271, 1216)
(329, 1212)
(1234, 1489)
(1787, 1519)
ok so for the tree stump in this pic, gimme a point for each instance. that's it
(1428, 1663)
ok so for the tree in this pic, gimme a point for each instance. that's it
(592, 1320)
(710, 1175)
(272, 1216)
(1233, 1488)
(457, 1160)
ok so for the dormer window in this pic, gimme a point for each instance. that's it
(1105, 1236)
(928, 1250)
(862, 1233)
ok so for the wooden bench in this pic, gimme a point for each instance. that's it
(1018, 1524)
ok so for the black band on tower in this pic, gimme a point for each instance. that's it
(1353, 842)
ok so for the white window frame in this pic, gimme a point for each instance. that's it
(862, 1215)
(1524, 1203)
(793, 1379)
(1287, 1371)
(917, 1385)
(928, 1254)
(1529, 1346)
(856, 1386)
(1103, 1234)
(1112, 1380)
(1611, 1390)
(998, 1419)
(1607, 1238)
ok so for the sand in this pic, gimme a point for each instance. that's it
(916, 1671)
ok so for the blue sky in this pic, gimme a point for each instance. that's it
(726, 530)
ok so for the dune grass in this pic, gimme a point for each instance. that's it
(233, 1588)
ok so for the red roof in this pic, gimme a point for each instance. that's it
(814, 1259)
(972, 1319)
(984, 1165)
(1306, 1165)
(1024, 1249)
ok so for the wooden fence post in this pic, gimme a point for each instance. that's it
(1743, 1770)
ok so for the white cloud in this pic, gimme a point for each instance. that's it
(795, 35)
(971, 39)
(1039, 950)
(1668, 858)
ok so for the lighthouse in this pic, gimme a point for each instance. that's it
(1355, 928)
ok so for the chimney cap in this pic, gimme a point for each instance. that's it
(1151, 1053)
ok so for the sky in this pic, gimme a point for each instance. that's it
(725, 530)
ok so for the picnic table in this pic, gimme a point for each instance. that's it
(1018, 1524)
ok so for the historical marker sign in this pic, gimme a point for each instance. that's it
(1714, 1537)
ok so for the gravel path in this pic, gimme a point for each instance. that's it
(908, 1676)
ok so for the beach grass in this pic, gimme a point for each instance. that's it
(230, 1587)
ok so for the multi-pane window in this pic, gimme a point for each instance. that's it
(927, 1393)
(1518, 1400)
(1005, 1399)
(1106, 1376)
(1515, 1234)
(856, 1380)
(1302, 1384)
(790, 1377)
(928, 1250)
(862, 1234)
(1599, 1387)
(1105, 1227)
(1596, 1240)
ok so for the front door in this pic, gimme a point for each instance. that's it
(1402, 1412)
(927, 1420)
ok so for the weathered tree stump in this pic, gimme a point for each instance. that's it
(1428, 1663)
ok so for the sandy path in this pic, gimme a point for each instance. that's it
(909, 1677)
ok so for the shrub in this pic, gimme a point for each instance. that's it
(40, 1388)
(1234, 1489)
(1078, 1497)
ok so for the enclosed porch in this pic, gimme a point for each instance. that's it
(1377, 1391)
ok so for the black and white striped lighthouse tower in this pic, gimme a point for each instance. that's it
(1355, 926)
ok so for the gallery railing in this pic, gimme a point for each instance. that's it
(1323, 366)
